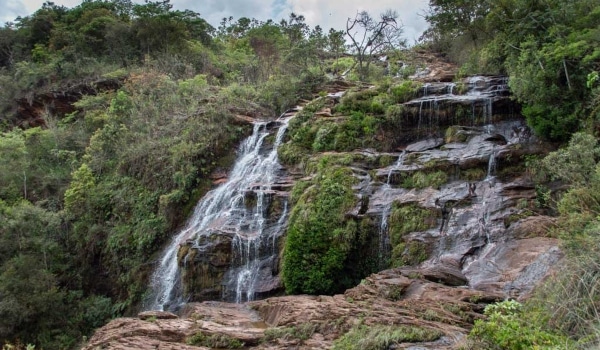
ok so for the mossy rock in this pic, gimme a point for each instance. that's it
(405, 219)
(422, 179)
(456, 134)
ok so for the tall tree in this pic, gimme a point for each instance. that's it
(370, 37)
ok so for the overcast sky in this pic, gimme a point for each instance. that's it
(326, 13)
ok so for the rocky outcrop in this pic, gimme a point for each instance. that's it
(466, 182)
(391, 298)
(31, 111)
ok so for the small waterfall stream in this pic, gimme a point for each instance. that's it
(225, 209)
(384, 236)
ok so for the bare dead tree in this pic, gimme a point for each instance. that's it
(370, 38)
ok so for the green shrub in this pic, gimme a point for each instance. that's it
(324, 139)
(405, 91)
(360, 101)
(422, 180)
(394, 114)
(403, 220)
(508, 327)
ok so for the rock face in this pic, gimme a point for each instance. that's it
(450, 216)
(391, 298)
(485, 231)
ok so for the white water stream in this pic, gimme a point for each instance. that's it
(224, 208)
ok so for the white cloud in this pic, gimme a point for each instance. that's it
(334, 14)
(327, 14)
(11, 9)
(215, 10)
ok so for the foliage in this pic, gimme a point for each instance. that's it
(576, 163)
(380, 337)
(89, 198)
(509, 326)
(319, 254)
(301, 332)
(421, 179)
(370, 37)
(547, 55)
(405, 91)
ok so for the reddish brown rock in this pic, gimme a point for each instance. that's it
(309, 322)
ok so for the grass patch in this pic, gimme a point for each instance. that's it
(220, 341)
(420, 179)
(301, 332)
(379, 337)
(405, 219)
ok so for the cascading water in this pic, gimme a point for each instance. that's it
(384, 237)
(491, 171)
(226, 209)
(480, 95)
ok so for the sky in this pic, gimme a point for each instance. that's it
(326, 13)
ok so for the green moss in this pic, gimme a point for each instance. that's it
(299, 188)
(403, 220)
(421, 179)
(514, 217)
(324, 138)
(386, 160)
(321, 162)
(511, 171)
(473, 174)
(380, 337)
(414, 254)
(455, 134)
(394, 293)
(291, 154)
(322, 244)
(360, 101)
(394, 114)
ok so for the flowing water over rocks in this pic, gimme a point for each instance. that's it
(229, 247)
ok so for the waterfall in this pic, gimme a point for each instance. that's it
(396, 166)
(491, 171)
(384, 237)
(224, 209)
(450, 88)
